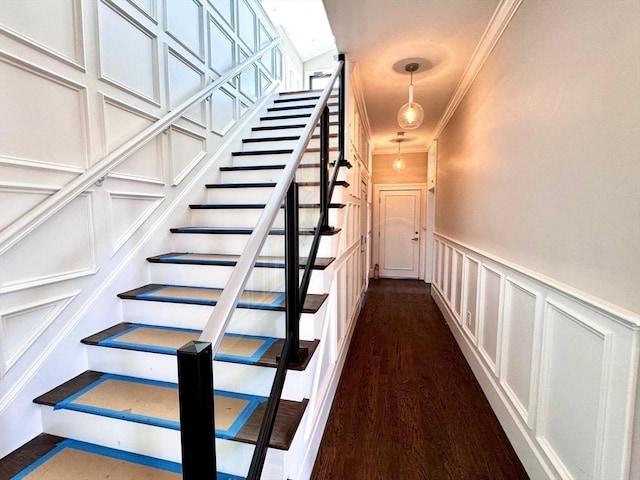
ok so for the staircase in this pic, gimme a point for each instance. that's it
(120, 418)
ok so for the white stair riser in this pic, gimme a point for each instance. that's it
(245, 321)
(245, 176)
(307, 194)
(231, 377)
(307, 174)
(231, 457)
(287, 131)
(229, 244)
(241, 217)
(284, 144)
(271, 119)
(216, 276)
(291, 108)
(275, 159)
(272, 159)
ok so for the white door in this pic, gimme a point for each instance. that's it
(400, 233)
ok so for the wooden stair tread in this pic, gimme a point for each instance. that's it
(245, 231)
(109, 338)
(208, 296)
(286, 138)
(249, 206)
(191, 258)
(287, 420)
(28, 453)
(339, 183)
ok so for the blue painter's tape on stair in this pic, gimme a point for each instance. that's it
(70, 403)
(105, 452)
(130, 457)
(145, 347)
(234, 428)
(257, 355)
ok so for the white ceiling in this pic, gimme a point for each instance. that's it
(305, 24)
(382, 36)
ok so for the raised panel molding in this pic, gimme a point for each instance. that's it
(186, 149)
(223, 111)
(470, 298)
(184, 22)
(222, 48)
(248, 78)
(247, 25)
(120, 120)
(127, 211)
(490, 317)
(574, 381)
(225, 8)
(128, 53)
(53, 27)
(147, 7)
(183, 80)
(62, 248)
(519, 355)
(16, 200)
(21, 327)
(63, 138)
(456, 284)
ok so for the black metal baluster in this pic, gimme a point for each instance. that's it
(324, 169)
(292, 275)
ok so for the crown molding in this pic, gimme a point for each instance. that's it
(497, 25)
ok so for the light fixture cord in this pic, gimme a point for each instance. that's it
(411, 89)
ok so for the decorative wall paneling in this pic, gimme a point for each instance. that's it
(559, 367)
(80, 79)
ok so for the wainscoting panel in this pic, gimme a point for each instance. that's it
(186, 149)
(575, 363)
(222, 53)
(184, 80)
(223, 111)
(470, 299)
(128, 53)
(560, 368)
(21, 327)
(456, 284)
(18, 200)
(62, 138)
(51, 253)
(490, 316)
(184, 23)
(53, 27)
(518, 345)
(127, 212)
(247, 25)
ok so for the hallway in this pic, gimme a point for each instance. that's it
(408, 405)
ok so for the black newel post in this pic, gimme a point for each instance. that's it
(197, 428)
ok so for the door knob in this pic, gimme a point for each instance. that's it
(415, 239)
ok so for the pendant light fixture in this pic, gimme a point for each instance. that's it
(411, 114)
(399, 164)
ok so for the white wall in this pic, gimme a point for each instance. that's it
(79, 79)
(540, 164)
(537, 256)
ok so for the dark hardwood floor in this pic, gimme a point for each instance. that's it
(408, 405)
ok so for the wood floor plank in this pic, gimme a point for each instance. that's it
(408, 405)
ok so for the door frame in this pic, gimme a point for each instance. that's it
(375, 241)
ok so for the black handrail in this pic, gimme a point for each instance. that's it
(296, 291)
